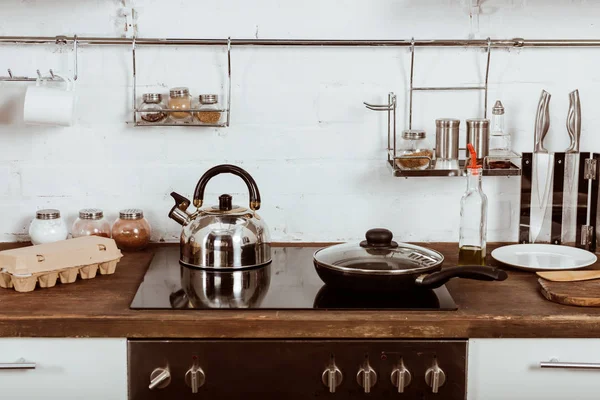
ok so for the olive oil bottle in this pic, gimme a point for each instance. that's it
(473, 221)
(471, 255)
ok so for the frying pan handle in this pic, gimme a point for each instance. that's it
(437, 279)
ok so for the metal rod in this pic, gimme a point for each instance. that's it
(449, 88)
(497, 43)
(134, 81)
(394, 122)
(389, 121)
(228, 81)
(75, 53)
(487, 75)
(411, 89)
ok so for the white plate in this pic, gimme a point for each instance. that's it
(544, 257)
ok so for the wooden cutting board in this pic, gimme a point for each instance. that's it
(583, 294)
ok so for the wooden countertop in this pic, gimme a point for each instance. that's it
(100, 308)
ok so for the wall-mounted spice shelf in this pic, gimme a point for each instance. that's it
(194, 119)
(189, 121)
(514, 170)
(394, 160)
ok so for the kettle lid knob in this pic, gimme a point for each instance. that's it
(225, 202)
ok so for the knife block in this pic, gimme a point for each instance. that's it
(571, 211)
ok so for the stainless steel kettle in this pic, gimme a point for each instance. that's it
(224, 236)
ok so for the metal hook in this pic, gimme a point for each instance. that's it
(10, 73)
(412, 45)
(382, 107)
(489, 44)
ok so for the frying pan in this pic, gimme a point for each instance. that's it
(380, 264)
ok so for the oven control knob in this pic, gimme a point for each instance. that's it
(401, 377)
(435, 377)
(159, 378)
(366, 377)
(195, 378)
(332, 377)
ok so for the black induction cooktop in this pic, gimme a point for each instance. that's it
(289, 282)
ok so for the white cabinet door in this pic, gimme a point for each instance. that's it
(501, 369)
(65, 369)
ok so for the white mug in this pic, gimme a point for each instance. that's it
(50, 105)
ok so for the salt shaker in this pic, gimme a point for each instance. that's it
(47, 227)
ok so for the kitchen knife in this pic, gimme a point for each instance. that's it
(542, 172)
(570, 192)
(569, 276)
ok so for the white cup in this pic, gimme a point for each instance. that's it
(50, 105)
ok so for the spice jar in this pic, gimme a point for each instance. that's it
(446, 143)
(131, 231)
(415, 152)
(179, 99)
(91, 222)
(209, 110)
(47, 227)
(152, 108)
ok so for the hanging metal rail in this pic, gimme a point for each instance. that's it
(481, 43)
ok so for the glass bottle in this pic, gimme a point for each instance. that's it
(179, 99)
(500, 143)
(91, 222)
(473, 221)
(152, 108)
(209, 110)
(131, 231)
(47, 227)
(414, 151)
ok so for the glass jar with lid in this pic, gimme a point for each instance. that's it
(131, 231)
(209, 109)
(152, 108)
(47, 227)
(179, 99)
(414, 152)
(91, 222)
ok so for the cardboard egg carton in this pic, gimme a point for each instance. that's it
(23, 268)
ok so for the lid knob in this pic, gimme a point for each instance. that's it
(225, 202)
(378, 237)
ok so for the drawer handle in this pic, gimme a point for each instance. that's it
(20, 364)
(568, 365)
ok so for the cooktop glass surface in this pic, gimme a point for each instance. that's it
(289, 282)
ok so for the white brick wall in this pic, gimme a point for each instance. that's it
(298, 124)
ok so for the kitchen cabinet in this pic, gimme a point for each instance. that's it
(64, 369)
(510, 369)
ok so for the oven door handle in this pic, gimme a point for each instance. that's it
(20, 364)
(554, 363)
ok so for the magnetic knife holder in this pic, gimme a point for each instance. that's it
(588, 181)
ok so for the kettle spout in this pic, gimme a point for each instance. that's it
(179, 212)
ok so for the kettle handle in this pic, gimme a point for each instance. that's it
(227, 169)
